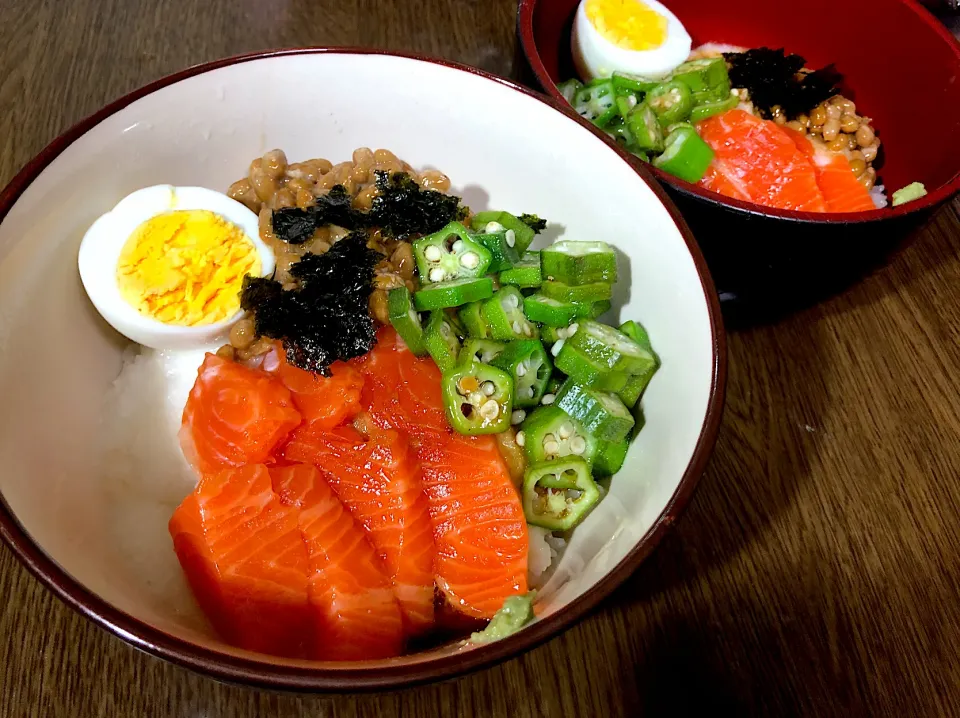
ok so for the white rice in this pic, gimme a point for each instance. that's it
(879, 196)
(544, 551)
(142, 413)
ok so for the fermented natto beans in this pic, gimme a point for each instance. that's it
(865, 136)
(274, 163)
(242, 335)
(432, 179)
(830, 129)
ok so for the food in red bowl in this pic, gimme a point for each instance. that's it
(795, 148)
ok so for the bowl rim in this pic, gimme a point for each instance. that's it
(362, 677)
(528, 48)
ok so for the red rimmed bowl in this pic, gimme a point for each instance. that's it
(101, 545)
(902, 68)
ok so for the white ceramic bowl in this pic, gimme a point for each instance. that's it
(502, 146)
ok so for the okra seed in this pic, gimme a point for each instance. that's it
(511, 237)
(572, 329)
(521, 438)
(437, 274)
(517, 417)
(555, 349)
(551, 447)
(492, 227)
(522, 369)
(433, 253)
(476, 398)
(488, 388)
(490, 410)
(566, 430)
(511, 301)
(548, 399)
(529, 392)
(516, 327)
(578, 445)
(470, 260)
(457, 246)
(527, 331)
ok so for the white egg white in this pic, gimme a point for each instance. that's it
(100, 253)
(594, 56)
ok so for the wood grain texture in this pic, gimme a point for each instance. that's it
(816, 570)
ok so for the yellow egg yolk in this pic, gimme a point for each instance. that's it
(186, 267)
(629, 24)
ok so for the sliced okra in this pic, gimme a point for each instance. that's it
(550, 433)
(557, 495)
(562, 292)
(450, 253)
(405, 319)
(601, 413)
(553, 313)
(453, 293)
(477, 398)
(525, 273)
(529, 364)
(504, 315)
(577, 263)
(440, 340)
(480, 350)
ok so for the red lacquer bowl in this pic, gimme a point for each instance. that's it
(902, 68)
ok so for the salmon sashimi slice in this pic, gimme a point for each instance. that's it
(234, 416)
(359, 614)
(756, 159)
(245, 559)
(327, 401)
(478, 524)
(841, 189)
(402, 390)
(378, 479)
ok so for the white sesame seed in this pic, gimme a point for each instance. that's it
(521, 438)
(490, 410)
(548, 399)
(511, 237)
(433, 253)
(437, 274)
(517, 417)
(470, 260)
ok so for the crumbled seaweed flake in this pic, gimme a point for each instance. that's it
(293, 225)
(534, 222)
(774, 78)
(326, 317)
(336, 207)
(401, 208)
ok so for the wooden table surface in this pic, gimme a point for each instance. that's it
(816, 571)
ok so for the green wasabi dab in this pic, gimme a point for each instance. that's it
(912, 191)
(517, 612)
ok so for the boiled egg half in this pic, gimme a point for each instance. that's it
(640, 37)
(165, 266)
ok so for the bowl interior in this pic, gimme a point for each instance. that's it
(58, 358)
(900, 65)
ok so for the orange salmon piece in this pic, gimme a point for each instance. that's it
(234, 416)
(757, 160)
(327, 401)
(841, 190)
(359, 617)
(478, 524)
(378, 479)
(244, 557)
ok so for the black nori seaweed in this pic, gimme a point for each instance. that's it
(402, 209)
(325, 318)
(534, 222)
(773, 78)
